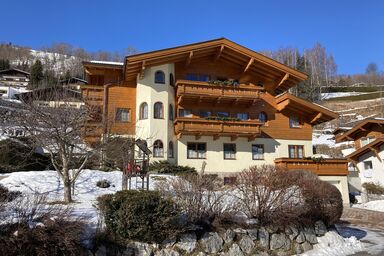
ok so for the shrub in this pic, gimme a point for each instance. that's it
(139, 215)
(103, 184)
(373, 188)
(6, 195)
(166, 167)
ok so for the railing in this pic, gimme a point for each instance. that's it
(184, 125)
(320, 166)
(185, 87)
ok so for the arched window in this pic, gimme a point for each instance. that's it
(143, 111)
(171, 80)
(158, 149)
(158, 110)
(170, 112)
(170, 149)
(263, 117)
(159, 77)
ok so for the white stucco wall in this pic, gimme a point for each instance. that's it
(377, 172)
(215, 161)
(341, 182)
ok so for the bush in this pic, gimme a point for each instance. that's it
(103, 184)
(139, 215)
(166, 167)
(6, 195)
(373, 188)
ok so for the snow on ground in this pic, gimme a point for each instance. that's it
(377, 205)
(86, 191)
(330, 95)
(332, 244)
(320, 138)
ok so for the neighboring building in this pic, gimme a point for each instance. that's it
(13, 81)
(73, 83)
(214, 105)
(368, 156)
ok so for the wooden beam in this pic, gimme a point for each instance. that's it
(218, 54)
(376, 152)
(316, 118)
(142, 71)
(283, 105)
(179, 135)
(250, 62)
(189, 59)
(198, 136)
(285, 78)
(180, 99)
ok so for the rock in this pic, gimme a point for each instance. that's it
(310, 235)
(272, 229)
(167, 252)
(246, 244)
(229, 236)
(292, 232)
(261, 254)
(201, 254)
(253, 234)
(168, 242)
(264, 238)
(280, 241)
(212, 242)
(282, 253)
(101, 251)
(300, 238)
(307, 246)
(187, 242)
(141, 249)
(240, 231)
(298, 249)
(234, 250)
(320, 228)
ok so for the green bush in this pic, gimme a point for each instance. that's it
(165, 167)
(373, 188)
(139, 215)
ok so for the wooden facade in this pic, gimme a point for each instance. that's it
(325, 167)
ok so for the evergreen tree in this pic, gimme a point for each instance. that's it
(36, 75)
(4, 64)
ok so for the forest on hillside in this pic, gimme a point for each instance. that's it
(58, 61)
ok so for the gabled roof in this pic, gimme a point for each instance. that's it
(374, 146)
(318, 114)
(364, 125)
(251, 61)
(16, 70)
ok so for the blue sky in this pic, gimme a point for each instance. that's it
(351, 30)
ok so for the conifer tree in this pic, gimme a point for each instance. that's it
(36, 75)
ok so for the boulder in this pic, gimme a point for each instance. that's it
(167, 252)
(253, 233)
(320, 228)
(229, 236)
(297, 248)
(141, 249)
(280, 241)
(300, 238)
(234, 250)
(292, 232)
(240, 231)
(187, 242)
(264, 238)
(246, 244)
(310, 235)
(168, 242)
(307, 246)
(211, 242)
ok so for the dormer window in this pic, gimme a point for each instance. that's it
(159, 77)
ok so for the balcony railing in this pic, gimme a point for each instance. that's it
(335, 167)
(217, 128)
(203, 90)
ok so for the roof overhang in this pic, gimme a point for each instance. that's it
(95, 67)
(374, 146)
(317, 114)
(352, 134)
(283, 76)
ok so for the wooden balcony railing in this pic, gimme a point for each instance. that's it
(217, 128)
(335, 167)
(203, 90)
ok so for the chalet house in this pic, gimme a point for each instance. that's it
(213, 105)
(368, 156)
(12, 81)
(73, 83)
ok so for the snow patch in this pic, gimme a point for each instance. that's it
(377, 205)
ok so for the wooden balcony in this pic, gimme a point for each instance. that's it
(337, 167)
(217, 128)
(205, 92)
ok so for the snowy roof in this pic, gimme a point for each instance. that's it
(107, 62)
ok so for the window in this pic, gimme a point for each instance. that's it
(222, 114)
(198, 77)
(196, 150)
(368, 165)
(143, 111)
(122, 115)
(158, 149)
(366, 141)
(185, 113)
(258, 152)
(171, 80)
(229, 151)
(159, 77)
(170, 112)
(158, 111)
(170, 149)
(204, 113)
(294, 121)
(296, 151)
(263, 117)
(242, 116)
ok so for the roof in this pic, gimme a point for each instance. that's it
(319, 114)
(284, 76)
(73, 79)
(373, 146)
(49, 93)
(104, 63)
(15, 69)
(361, 126)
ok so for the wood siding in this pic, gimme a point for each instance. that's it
(336, 167)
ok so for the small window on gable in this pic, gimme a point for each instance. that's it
(263, 117)
(294, 121)
(368, 165)
(159, 77)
